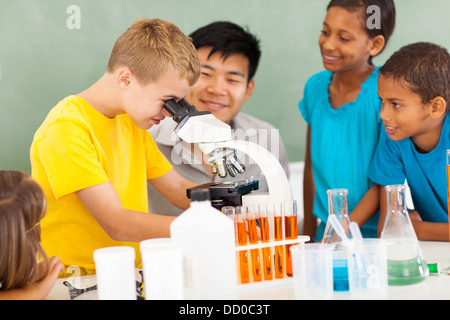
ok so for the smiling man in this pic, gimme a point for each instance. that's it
(229, 58)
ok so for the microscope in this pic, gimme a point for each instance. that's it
(215, 140)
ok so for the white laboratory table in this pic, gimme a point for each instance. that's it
(435, 287)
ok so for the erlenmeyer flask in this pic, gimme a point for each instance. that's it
(405, 259)
(337, 205)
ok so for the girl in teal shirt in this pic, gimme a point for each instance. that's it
(342, 109)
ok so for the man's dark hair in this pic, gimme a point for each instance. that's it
(424, 67)
(228, 38)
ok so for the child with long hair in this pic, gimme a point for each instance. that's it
(22, 206)
(341, 107)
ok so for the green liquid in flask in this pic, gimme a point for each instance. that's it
(405, 272)
(405, 261)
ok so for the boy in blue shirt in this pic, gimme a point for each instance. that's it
(414, 86)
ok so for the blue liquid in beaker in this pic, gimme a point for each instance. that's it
(340, 275)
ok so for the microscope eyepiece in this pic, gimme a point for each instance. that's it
(172, 106)
(177, 111)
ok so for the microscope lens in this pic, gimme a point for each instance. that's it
(220, 167)
(233, 161)
(231, 170)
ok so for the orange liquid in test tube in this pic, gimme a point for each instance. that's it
(243, 255)
(278, 234)
(256, 263)
(266, 252)
(290, 226)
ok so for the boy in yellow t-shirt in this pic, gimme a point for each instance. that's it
(93, 155)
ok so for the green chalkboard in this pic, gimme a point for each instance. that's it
(46, 53)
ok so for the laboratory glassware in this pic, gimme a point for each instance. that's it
(230, 212)
(405, 261)
(253, 239)
(290, 230)
(313, 271)
(337, 206)
(241, 228)
(265, 238)
(278, 235)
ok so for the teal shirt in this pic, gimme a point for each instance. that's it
(396, 161)
(343, 143)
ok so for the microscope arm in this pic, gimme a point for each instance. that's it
(213, 134)
(277, 181)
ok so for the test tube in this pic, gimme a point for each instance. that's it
(253, 237)
(448, 186)
(290, 230)
(278, 234)
(230, 212)
(265, 238)
(242, 241)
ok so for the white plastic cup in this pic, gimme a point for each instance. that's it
(368, 273)
(313, 271)
(116, 276)
(162, 262)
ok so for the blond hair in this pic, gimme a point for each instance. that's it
(22, 206)
(152, 48)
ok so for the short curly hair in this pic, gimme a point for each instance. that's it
(424, 67)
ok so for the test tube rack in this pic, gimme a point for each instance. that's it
(273, 281)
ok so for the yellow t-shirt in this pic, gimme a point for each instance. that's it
(77, 147)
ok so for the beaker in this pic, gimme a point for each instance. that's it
(367, 268)
(313, 271)
(405, 261)
(337, 205)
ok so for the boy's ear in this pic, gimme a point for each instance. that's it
(377, 44)
(438, 107)
(124, 76)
